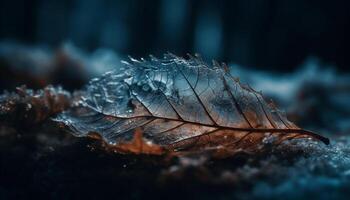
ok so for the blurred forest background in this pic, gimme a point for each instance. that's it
(265, 34)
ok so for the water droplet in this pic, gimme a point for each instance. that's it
(145, 87)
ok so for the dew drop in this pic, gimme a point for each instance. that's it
(145, 87)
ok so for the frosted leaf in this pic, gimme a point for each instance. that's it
(179, 104)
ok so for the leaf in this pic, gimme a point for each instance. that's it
(26, 107)
(137, 145)
(181, 105)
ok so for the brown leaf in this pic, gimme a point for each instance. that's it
(181, 105)
(28, 107)
(138, 145)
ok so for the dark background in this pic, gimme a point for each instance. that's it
(267, 34)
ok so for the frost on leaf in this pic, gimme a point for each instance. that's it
(181, 105)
